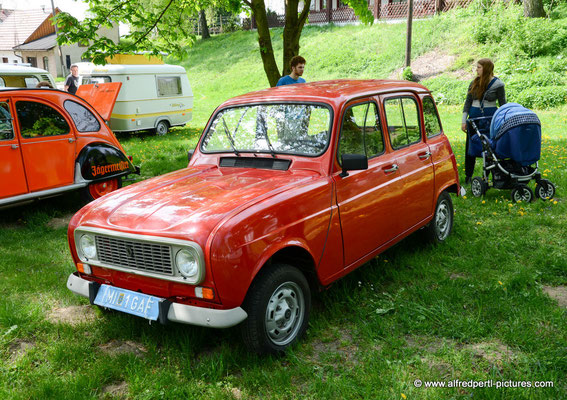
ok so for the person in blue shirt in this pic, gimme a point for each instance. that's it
(297, 65)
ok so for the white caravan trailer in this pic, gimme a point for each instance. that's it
(153, 96)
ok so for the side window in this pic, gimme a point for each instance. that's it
(6, 131)
(37, 119)
(31, 81)
(373, 132)
(168, 86)
(361, 132)
(431, 118)
(2, 83)
(403, 121)
(84, 120)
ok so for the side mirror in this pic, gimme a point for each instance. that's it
(353, 162)
(190, 154)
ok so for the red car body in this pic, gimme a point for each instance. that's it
(246, 219)
(52, 142)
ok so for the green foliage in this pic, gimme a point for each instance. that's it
(407, 74)
(542, 98)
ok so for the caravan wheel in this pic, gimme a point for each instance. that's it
(162, 127)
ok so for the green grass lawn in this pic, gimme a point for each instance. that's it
(473, 308)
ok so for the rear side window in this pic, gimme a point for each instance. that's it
(431, 118)
(96, 79)
(403, 121)
(361, 132)
(84, 120)
(6, 131)
(31, 81)
(168, 86)
(38, 119)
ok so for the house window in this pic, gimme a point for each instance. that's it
(32, 61)
(5, 60)
(46, 63)
(68, 61)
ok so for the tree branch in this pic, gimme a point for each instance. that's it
(112, 11)
(155, 23)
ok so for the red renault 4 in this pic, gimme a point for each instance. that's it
(288, 190)
(52, 142)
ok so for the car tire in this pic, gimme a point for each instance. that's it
(162, 128)
(522, 193)
(98, 189)
(545, 190)
(441, 225)
(278, 304)
(478, 186)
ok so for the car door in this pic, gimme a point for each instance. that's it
(367, 199)
(413, 158)
(12, 175)
(48, 144)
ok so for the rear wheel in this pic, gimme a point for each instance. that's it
(545, 190)
(440, 227)
(478, 186)
(98, 189)
(162, 128)
(278, 306)
(522, 193)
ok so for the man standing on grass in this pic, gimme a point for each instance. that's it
(72, 81)
(297, 65)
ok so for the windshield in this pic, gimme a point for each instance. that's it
(271, 128)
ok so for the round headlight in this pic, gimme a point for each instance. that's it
(88, 246)
(187, 263)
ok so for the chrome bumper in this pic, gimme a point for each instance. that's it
(177, 312)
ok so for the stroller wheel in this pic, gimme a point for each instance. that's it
(522, 193)
(478, 186)
(545, 190)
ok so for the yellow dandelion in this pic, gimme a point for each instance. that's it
(494, 213)
(500, 282)
(483, 202)
(404, 396)
(465, 197)
(479, 223)
(511, 205)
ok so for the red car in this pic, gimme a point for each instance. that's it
(288, 190)
(52, 142)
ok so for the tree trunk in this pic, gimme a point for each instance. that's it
(294, 23)
(265, 42)
(204, 27)
(533, 9)
(408, 35)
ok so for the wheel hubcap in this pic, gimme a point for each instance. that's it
(442, 220)
(99, 189)
(285, 313)
(475, 188)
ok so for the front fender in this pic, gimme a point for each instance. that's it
(100, 161)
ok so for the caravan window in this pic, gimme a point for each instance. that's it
(168, 86)
(96, 79)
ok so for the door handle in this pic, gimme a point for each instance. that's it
(15, 146)
(393, 168)
(424, 156)
(71, 140)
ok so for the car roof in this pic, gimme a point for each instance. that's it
(334, 91)
(87, 68)
(19, 69)
(14, 89)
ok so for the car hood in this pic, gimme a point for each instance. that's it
(188, 203)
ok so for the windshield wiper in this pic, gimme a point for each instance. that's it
(229, 136)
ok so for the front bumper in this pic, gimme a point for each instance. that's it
(177, 312)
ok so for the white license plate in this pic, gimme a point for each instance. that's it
(127, 301)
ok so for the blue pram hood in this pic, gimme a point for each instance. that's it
(515, 133)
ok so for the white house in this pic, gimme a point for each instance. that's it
(28, 36)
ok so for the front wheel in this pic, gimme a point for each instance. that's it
(522, 193)
(478, 186)
(440, 227)
(98, 189)
(278, 305)
(545, 190)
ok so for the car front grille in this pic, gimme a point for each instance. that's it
(142, 256)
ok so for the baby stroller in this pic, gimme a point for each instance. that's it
(510, 147)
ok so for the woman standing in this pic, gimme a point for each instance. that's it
(483, 92)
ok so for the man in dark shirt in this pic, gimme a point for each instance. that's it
(72, 81)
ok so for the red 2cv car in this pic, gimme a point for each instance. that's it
(288, 190)
(52, 142)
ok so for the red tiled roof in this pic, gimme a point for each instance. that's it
(19, 25)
